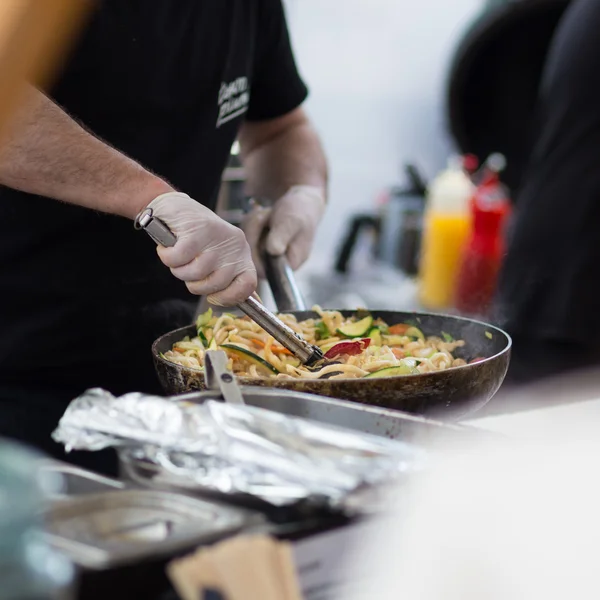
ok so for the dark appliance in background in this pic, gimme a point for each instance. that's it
(494, 80)
(396, 227)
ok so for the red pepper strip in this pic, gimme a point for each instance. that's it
(351, 348)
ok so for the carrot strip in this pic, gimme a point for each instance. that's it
(399, 329)
(398, 353)
(274, 348)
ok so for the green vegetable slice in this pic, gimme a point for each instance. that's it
(447, 337)
(260, 363)
(213, 344)
(385, 330)
(188, 345)
(322, 331)
(406, 368)
(358, 329)
(415, 332)
(203, 338)
(375, 335)
(204, 319)
(488, 335)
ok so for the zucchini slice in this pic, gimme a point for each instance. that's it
(415, 332)
(213, 344)
(375, 335)
(260, 363)
(358, 329)
(406, 368)
(204, 318)
(321, 331)
(203, 338)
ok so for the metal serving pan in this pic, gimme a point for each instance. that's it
(70, 481)
(364, 418)
(109, 529)
(357, 417)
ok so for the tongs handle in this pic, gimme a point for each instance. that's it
(301, 349)
(280, 275)
(307, 353)
(283, 284)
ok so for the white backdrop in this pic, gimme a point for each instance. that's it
(377, 72)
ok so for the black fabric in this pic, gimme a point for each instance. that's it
(169, 84)
(550, 284)
(535, 359)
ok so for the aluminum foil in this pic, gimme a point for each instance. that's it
(237, 449)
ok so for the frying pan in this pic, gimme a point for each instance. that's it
(449, 394)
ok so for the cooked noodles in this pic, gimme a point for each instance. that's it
(361, 346)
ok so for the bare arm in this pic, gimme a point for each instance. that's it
(282, 153)
(47, 153)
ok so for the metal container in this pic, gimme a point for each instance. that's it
(397, 227)
(99, 531)
(74, 481)
(390, 424)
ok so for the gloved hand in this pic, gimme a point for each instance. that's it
(292, 221)
(210, 255)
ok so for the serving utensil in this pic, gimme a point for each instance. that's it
(309, 355)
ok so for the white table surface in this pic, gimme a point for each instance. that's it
(529, 423)
(557, 403)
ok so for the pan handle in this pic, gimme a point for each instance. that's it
(282, 282)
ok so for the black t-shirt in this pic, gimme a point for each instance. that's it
(550, 286)
(167, 82)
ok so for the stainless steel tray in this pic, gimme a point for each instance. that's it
(99, 531)
(70, 481)
(381, 422)
(391, 424)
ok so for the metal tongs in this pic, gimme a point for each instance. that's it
(308, 354)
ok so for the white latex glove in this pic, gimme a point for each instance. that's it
(210, 255)
(293, 222)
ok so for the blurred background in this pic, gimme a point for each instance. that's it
(377, 73)
(427, 112)
(409, 83)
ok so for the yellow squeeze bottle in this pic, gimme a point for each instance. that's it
(446, 228)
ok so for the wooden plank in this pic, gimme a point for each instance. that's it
(34, 36)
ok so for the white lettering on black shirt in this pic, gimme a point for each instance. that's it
(234, 98)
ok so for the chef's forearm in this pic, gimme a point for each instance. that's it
(47, 153)
(292, 156)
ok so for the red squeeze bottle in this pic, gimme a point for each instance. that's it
(478, 273)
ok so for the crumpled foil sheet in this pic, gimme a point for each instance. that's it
(236, 449)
